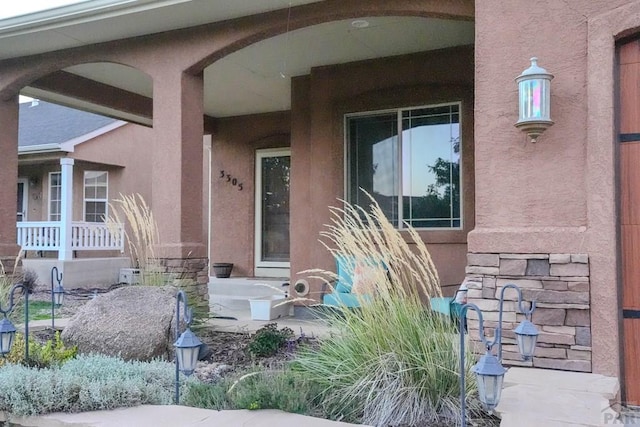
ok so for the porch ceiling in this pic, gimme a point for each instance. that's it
(257, 78)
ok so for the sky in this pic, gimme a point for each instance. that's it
(10, 9)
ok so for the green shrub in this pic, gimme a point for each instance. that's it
(286, 390)
(392, 361)
(86, 383)
(268, 340)
(51, 353)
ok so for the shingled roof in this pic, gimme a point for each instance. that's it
(45, 123)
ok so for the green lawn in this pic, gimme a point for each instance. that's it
(39, 310)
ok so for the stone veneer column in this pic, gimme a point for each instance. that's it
(9, 178)
(559, 283)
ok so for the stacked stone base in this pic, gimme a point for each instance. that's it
(192, 276)
(559, 283)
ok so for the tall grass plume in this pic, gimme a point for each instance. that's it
(393, 361)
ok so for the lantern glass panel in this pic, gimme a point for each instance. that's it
(6, 341)
(58, 296)
(489, 389)
(534, 100)
(187, 359)
(526, 345)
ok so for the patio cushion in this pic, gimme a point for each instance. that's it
(341, 299)
(344, 264)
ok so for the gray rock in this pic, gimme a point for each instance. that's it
(133, 322)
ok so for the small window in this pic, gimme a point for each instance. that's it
(409, 161)
(55, 196)
(95, 196)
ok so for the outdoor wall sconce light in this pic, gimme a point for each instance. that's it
(187, 345)
(534, 100)
(489, 370)
(57, 294)
(7, 330)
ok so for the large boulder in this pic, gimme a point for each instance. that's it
(133, 322)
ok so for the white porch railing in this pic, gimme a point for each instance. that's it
(85, 236)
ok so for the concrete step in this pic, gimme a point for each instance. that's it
(247, 286)
(233, 293)
(543, 397)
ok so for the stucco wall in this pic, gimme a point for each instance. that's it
(234, 146)
(558, 195)
(318, 143)
(320, 101)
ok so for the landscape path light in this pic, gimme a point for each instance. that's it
(7, 329)
(187, 345)
(489, 370)
(57, 294)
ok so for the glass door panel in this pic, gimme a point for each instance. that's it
(22, 200)
(272, 211)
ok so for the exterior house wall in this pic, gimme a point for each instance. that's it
(234, 146)
(551, 200)
(317, 162)
(554, 198)
(127, 150)
(318, 170)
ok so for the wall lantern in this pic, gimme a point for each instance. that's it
(534, 99)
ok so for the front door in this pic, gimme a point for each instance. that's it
(273, 168)
(629, 172)
(22, 199)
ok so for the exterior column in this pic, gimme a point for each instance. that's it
(9, 178)
(177, 164)
(177, 181)
(66, 209)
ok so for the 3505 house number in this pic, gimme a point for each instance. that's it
(231, 180)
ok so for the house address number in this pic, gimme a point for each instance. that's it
(231, 180)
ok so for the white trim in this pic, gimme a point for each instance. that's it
(49, 198)
(266, 268)
(86, 11)
(207, 142)
(85, 199)
(39, 148)
(25, 198)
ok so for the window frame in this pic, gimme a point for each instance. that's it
(94, 200)
(398, 111)
(50, 200)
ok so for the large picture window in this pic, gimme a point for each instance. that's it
(95, 196)
(409, 161)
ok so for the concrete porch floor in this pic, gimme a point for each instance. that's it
(542, 397)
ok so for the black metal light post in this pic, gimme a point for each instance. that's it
(187, 345)
(489, 370)
(7, 330)
(57, 294)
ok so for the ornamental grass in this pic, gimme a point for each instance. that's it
(393, 361)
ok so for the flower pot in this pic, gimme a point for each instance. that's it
(222, 270)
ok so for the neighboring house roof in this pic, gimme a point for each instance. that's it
(50, 127)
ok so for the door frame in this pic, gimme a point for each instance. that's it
(266, 268)
(25, 197)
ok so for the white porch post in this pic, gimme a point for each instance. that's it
(66, 208)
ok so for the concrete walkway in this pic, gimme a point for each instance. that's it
(173, 416)
(542, 397)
